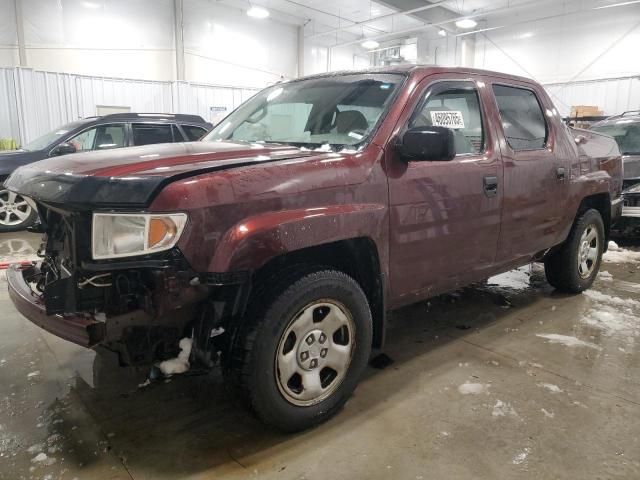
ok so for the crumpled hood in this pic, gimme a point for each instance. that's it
(132, 176)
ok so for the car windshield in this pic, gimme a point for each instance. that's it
(626, 133)
(48, 139)
(329, 112)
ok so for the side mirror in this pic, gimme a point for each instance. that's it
(427, 143)
(63, 149)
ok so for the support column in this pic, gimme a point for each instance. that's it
(179, 34)
(300, 51)
(22, 51)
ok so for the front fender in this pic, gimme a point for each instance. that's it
(249, 244)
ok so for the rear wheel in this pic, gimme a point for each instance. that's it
(574, 267)
(304, 346)
(15, 213)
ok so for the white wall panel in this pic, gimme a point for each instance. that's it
(612, 96)
(37, 102)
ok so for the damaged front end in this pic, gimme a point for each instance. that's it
(138, 306)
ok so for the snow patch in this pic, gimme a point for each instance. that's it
(472, 388)
(180, 364)
(550, 386)
(603, 297)
(517, 279)
(41, 457)
(606, 276)
(521, 457)
(547, 413)
(502, 409)
(567, 340)
(616, 254)
(33, 374)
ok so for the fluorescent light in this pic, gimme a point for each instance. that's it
(466, 23)
(258, 12)
(617, 4)
(370, 44)
(526, 35)
(442, 33)
(90, 5)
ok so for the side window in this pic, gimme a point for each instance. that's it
(99, 138)
(193, 133)
(148, 133)
(455, 107)
(522, 118)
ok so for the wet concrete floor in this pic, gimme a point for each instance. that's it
(504, 380)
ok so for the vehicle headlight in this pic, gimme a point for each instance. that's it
(127, 234)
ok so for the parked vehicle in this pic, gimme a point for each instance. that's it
(283, 238)
(93, 133)
(625, 128)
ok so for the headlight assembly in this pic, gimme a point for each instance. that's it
(116, 235)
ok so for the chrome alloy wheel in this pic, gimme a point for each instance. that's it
(588, 251)
(314, 352)
(14, 209)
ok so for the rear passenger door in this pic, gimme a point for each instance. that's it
(534, 179)
(193, 132)
(151, 133)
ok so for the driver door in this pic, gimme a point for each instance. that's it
(445, 215)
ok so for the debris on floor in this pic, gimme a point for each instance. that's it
(180, 364)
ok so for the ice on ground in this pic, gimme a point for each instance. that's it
(33, 374)
(548, 414)
(41, 457)
(606, 276)
(521, 457)
(603, 297)
(472, 388)
(180, 364)
(38, 447)
(517, 279)
(502, 409)
(551, 387)
(616, 254)
(567, 340)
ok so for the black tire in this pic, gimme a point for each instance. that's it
(272, 311)
(10, 222)
(562, 267)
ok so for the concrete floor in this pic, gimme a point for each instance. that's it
(506, 380)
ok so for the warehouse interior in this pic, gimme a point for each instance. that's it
(503, 378)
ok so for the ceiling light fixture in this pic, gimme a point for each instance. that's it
(442, 33)
(617, 4)
(466, 23)
(258, 12)
(370, 44)
(526, 35)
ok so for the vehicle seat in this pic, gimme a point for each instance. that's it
(104, 139)
(351, 121)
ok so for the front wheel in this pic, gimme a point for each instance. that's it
(304, 346)
(15, 212)
(574, 267)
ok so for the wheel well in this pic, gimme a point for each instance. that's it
(602, 203)
(357, 257)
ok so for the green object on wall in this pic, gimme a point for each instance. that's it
(8, 144)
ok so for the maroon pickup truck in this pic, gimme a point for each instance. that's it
(278, 243)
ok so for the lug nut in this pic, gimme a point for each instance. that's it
(323, 352)
(304, 356)
(314, 363)
(310, 339)
(323, 338)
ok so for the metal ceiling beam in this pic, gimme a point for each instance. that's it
(364, 23)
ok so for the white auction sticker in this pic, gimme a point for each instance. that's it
(447, 118)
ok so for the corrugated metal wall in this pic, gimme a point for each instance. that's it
(612, 96)
(33, 103)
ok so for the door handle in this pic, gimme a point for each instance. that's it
(490, 185)
(560, 175)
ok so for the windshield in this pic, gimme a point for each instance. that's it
(626, 133)
(46, 140)
(329, 112)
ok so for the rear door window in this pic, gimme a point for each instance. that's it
(150, 133)
(193, 133)
(522, 119)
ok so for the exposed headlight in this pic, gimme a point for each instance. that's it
(127, 234)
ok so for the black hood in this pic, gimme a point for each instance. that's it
(12, 159)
